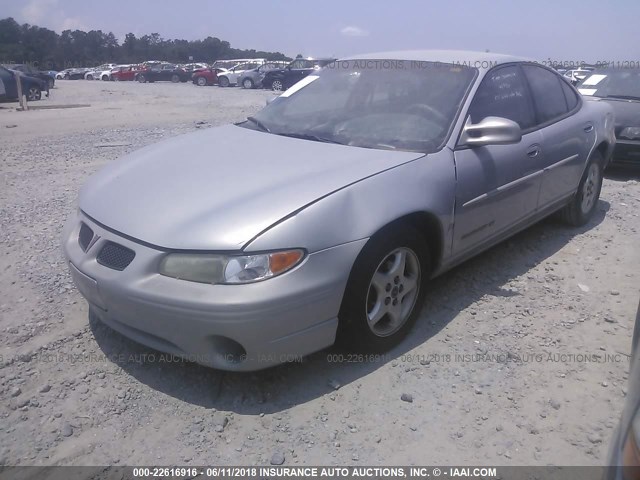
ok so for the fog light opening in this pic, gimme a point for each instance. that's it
(229, 350)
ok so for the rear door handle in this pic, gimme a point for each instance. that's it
(534, 151)
(588, 128)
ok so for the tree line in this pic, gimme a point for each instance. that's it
(49, 50)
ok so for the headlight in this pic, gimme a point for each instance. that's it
(632, 133)
(229, 269)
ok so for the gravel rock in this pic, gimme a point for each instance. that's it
(406, 397)
(66, 430)
(15, 392)
(277, 459)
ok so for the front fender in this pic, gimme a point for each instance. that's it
(359, 210)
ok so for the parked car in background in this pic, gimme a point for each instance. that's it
(33, 72)
(620, 88)
(230, 77)
(424, 167)
(232, 62)
(162, 73)
(101, 72)
(75, 73)
(624, 452)
(207, 76)
(125, 73)
(253, 78)
(281, 79)
(32, 87)
(191, 67)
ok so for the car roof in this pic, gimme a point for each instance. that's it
(469, 57)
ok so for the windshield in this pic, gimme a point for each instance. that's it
(612, 83)
(386, 104)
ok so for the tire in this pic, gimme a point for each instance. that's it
(141, 78)
(175, 78)
(583, 204)
(223, 81)
(247, 83)
(201, 81)
(34, 93)
(89, 77)
(277, 86)
(105, 78)
(385, 291)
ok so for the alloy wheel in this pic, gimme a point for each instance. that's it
(33, 94)
(590, 188)
(393, 291)
(276, 86)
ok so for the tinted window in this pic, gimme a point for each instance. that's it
(547, 93)
(570, 96)
(503, 94)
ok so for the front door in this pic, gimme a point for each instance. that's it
(497, 185)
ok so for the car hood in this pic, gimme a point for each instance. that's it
(181, 194)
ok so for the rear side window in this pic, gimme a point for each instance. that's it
(503, 93)
(548, 96)
(570, 96)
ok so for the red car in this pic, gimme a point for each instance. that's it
(127, 73)
(206, 76)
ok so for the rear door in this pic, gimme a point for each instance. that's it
(566, 139)
(497, 185)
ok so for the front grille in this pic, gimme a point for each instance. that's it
(115, 256)
(85, 236)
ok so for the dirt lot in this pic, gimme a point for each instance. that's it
(520, 357)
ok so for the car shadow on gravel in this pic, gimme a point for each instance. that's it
(622, 173)
(280, 388)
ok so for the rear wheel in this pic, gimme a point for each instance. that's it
(201, 81)
(385, 291)
(175, 78)
(247, 83)
(142, 78)
(105, 78)
(89, 77)
(277, 86)
(223, 81)
(583, 204)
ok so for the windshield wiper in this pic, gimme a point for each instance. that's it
(624, 97)
(308, 136)
(260, 125)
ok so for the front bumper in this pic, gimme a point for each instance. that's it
(230, 327)
(626, 152)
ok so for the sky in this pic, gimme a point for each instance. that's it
(557, 30)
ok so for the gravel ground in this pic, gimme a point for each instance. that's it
(520, 357)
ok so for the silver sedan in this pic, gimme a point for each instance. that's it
(344, 196)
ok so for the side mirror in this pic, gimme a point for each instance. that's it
(490, 131)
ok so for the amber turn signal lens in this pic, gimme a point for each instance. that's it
(281, 261)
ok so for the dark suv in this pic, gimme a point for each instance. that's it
(32, 72)
(281, 79)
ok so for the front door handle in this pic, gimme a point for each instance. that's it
(534, 151)
(588, 128)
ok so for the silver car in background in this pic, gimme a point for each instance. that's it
(333, 206)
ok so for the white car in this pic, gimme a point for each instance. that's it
(231, 76)
(103, 72)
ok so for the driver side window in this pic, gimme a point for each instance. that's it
(503, 93)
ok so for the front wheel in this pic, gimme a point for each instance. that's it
(247, 83)
(201, 81)
(141, 79)
(34, 93)
(385, 291)
(583, 204)
(223, 81)
(175, 78)
(277, 86)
